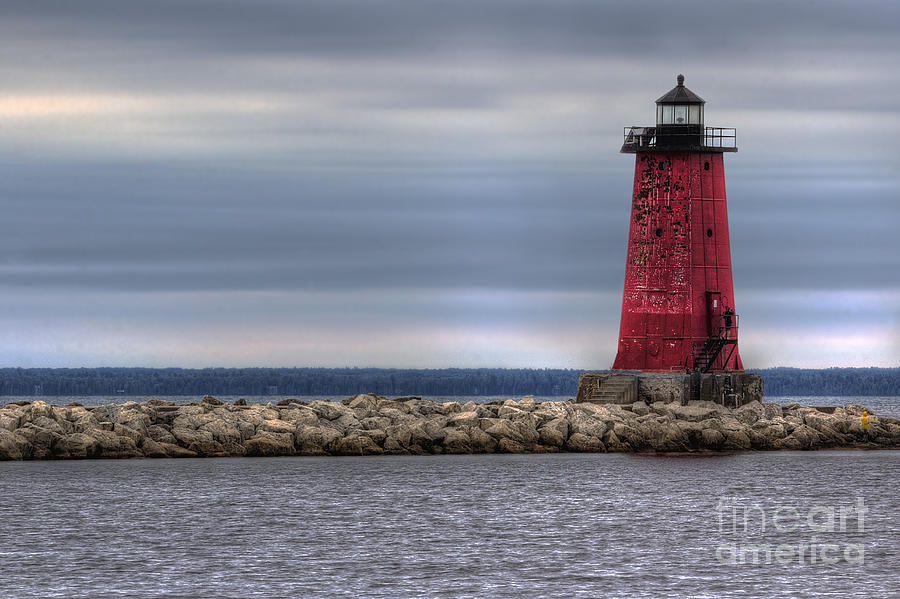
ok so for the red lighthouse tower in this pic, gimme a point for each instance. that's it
(678, 310)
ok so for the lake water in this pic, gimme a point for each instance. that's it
(506, 526)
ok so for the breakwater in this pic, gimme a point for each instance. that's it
(373, 425)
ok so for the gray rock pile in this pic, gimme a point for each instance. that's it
(373, 425)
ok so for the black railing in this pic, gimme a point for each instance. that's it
(720, 137)
(643, 139)
(725, 326)
(723, 332)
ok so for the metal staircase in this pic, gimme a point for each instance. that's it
(725, 335)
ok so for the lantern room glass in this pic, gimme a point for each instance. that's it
(679, 114)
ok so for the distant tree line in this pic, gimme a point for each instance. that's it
(286, 381)
(391, 382)
(831, 381)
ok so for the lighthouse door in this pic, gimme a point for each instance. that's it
(714, 311)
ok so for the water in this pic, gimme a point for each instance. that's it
(884, 406)
(506, 526)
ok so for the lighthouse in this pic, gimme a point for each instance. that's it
(678, 306)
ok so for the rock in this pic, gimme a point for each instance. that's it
(513, 431)
(588, 424)
(10, 448)
(270, 444)
(580, 442)
(640, 408)
(356, 444)
(159, 402)
(546, 411)
(152, 449)
(506, 445)
(401, 434)
(376, 434)
(41, 440)
(300, 416)
(276, 426)
(510, 412)
(240, 402)
(371, 425)
(670, 436)
(80, 445)
(316, 440)
(482, 442)
(375, 423)
(161, 434)
(126, 431)
(8, 422)
(209, 399)
(114, 446)
(527, 404)
(469, 418)
(229, 434)
(697, 413)
(711, 438)
(555, 433)
(802, 437)
(136, 421)
(174, 451)
(192, 439)
(52, 425)
(750, 413)
(773, 410)
(330, 410)
(290, 401)
(456, 441)
(366, 402)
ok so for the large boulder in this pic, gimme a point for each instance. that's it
(697, 411)
(316, 440)
(11, 446)
(481, 441)
(270, 444)
(750, 413)
(580, 442)
(589, 424)
(456, 440)
(366, 403)
(555, 432)
(80, 445)
(469, 418)
(356, 444)
(43, 442)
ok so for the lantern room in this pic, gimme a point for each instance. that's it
(680, 106)
(679, 127)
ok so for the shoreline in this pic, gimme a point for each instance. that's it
(373, 425)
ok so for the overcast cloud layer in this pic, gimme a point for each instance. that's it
(420, 184)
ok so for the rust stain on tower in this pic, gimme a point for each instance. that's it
(678, 308)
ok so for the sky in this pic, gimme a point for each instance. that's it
(410, 183)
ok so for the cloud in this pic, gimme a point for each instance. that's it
(218, 149)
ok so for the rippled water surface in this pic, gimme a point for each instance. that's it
(563, 525)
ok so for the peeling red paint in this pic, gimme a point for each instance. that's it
(678, 281)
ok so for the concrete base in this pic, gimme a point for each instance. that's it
(730, 389)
